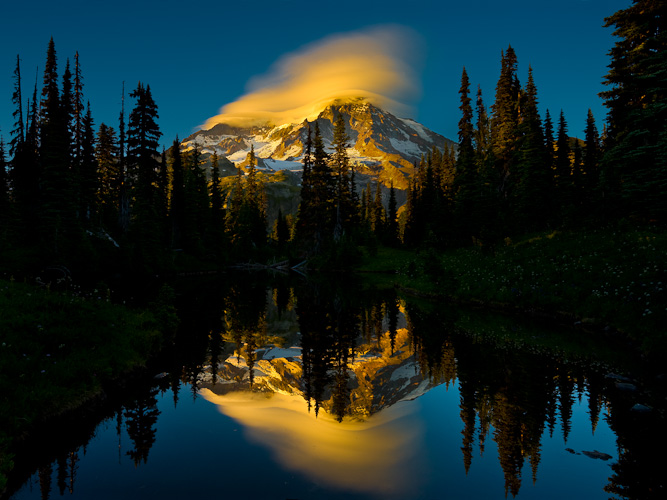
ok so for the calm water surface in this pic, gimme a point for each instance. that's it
(308, 391)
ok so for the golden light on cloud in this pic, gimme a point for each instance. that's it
(377, 65)
(377, 455)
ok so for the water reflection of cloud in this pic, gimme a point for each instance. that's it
(377, 455)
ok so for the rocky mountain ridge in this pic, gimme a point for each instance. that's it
(378, 141)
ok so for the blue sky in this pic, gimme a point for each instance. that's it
(198, 56)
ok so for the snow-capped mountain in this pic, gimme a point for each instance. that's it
(379, 376)
(378, 139)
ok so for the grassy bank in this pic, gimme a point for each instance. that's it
(58, 350)
(615, 278)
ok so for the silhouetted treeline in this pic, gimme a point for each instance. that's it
(108, 199)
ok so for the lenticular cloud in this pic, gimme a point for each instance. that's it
(377, 65)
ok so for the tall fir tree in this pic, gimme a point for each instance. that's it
(305, 214)
(246, 218)
(143, 135)
(78, 109)
(26, 176)
(532, 197)
(58, 188)
(563, 170)
(378, 213)
(124, 195)
(177, 205)
(322, 193)
(489, 177)
(109, 176)
(591, 164)
(18, 133)
(633, 177)
(505, 121)
(67, 115)
(163, 188)
(88, 180)
(217, 207)
(466, 182)
(197, 207)
(345, 208)
(392, 219)
(5, 206)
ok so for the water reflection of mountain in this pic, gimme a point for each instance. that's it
(378, 376)
(321, 376)
(354, 359)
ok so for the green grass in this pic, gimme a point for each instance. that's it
(605, 277)
(58, 349)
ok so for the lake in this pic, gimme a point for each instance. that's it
(284, 388)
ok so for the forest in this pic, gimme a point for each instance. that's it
(99, 201)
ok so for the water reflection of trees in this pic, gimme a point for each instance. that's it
(329, 325)
(509, 393)
(140, 420)
(517, 394)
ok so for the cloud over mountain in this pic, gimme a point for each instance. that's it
(379, 64)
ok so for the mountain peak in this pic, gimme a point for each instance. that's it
(378, 140)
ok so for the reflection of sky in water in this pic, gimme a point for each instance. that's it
(377, 455)
(409, 450)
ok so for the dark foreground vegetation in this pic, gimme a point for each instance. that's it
(62, 349)
(606, 280)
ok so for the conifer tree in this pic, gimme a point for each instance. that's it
(579, 192)
(124, 198)
(592, 153)
(322, 193)
(26, 174)
(489, 178)
(234, 203)
(88, 179)
(17, 100)
(549, 142)
(246, 217)
(344, 201)
(563, 166)
(413, 227)
(482, 130)
(217, 210)
(532, 197)
(143, 134)
(50, 94)
(465, 181)
(281, 229)
(4, 195)
(78, 109)
(254, 203)
(392, 219)
(67, 115)
(109, 176)
(505, 120)
(305, 214)
(58, 189)
(631, 170)
(177, 205)
(163, 189)
(197, 207)
(378, 214)
(368, 203)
